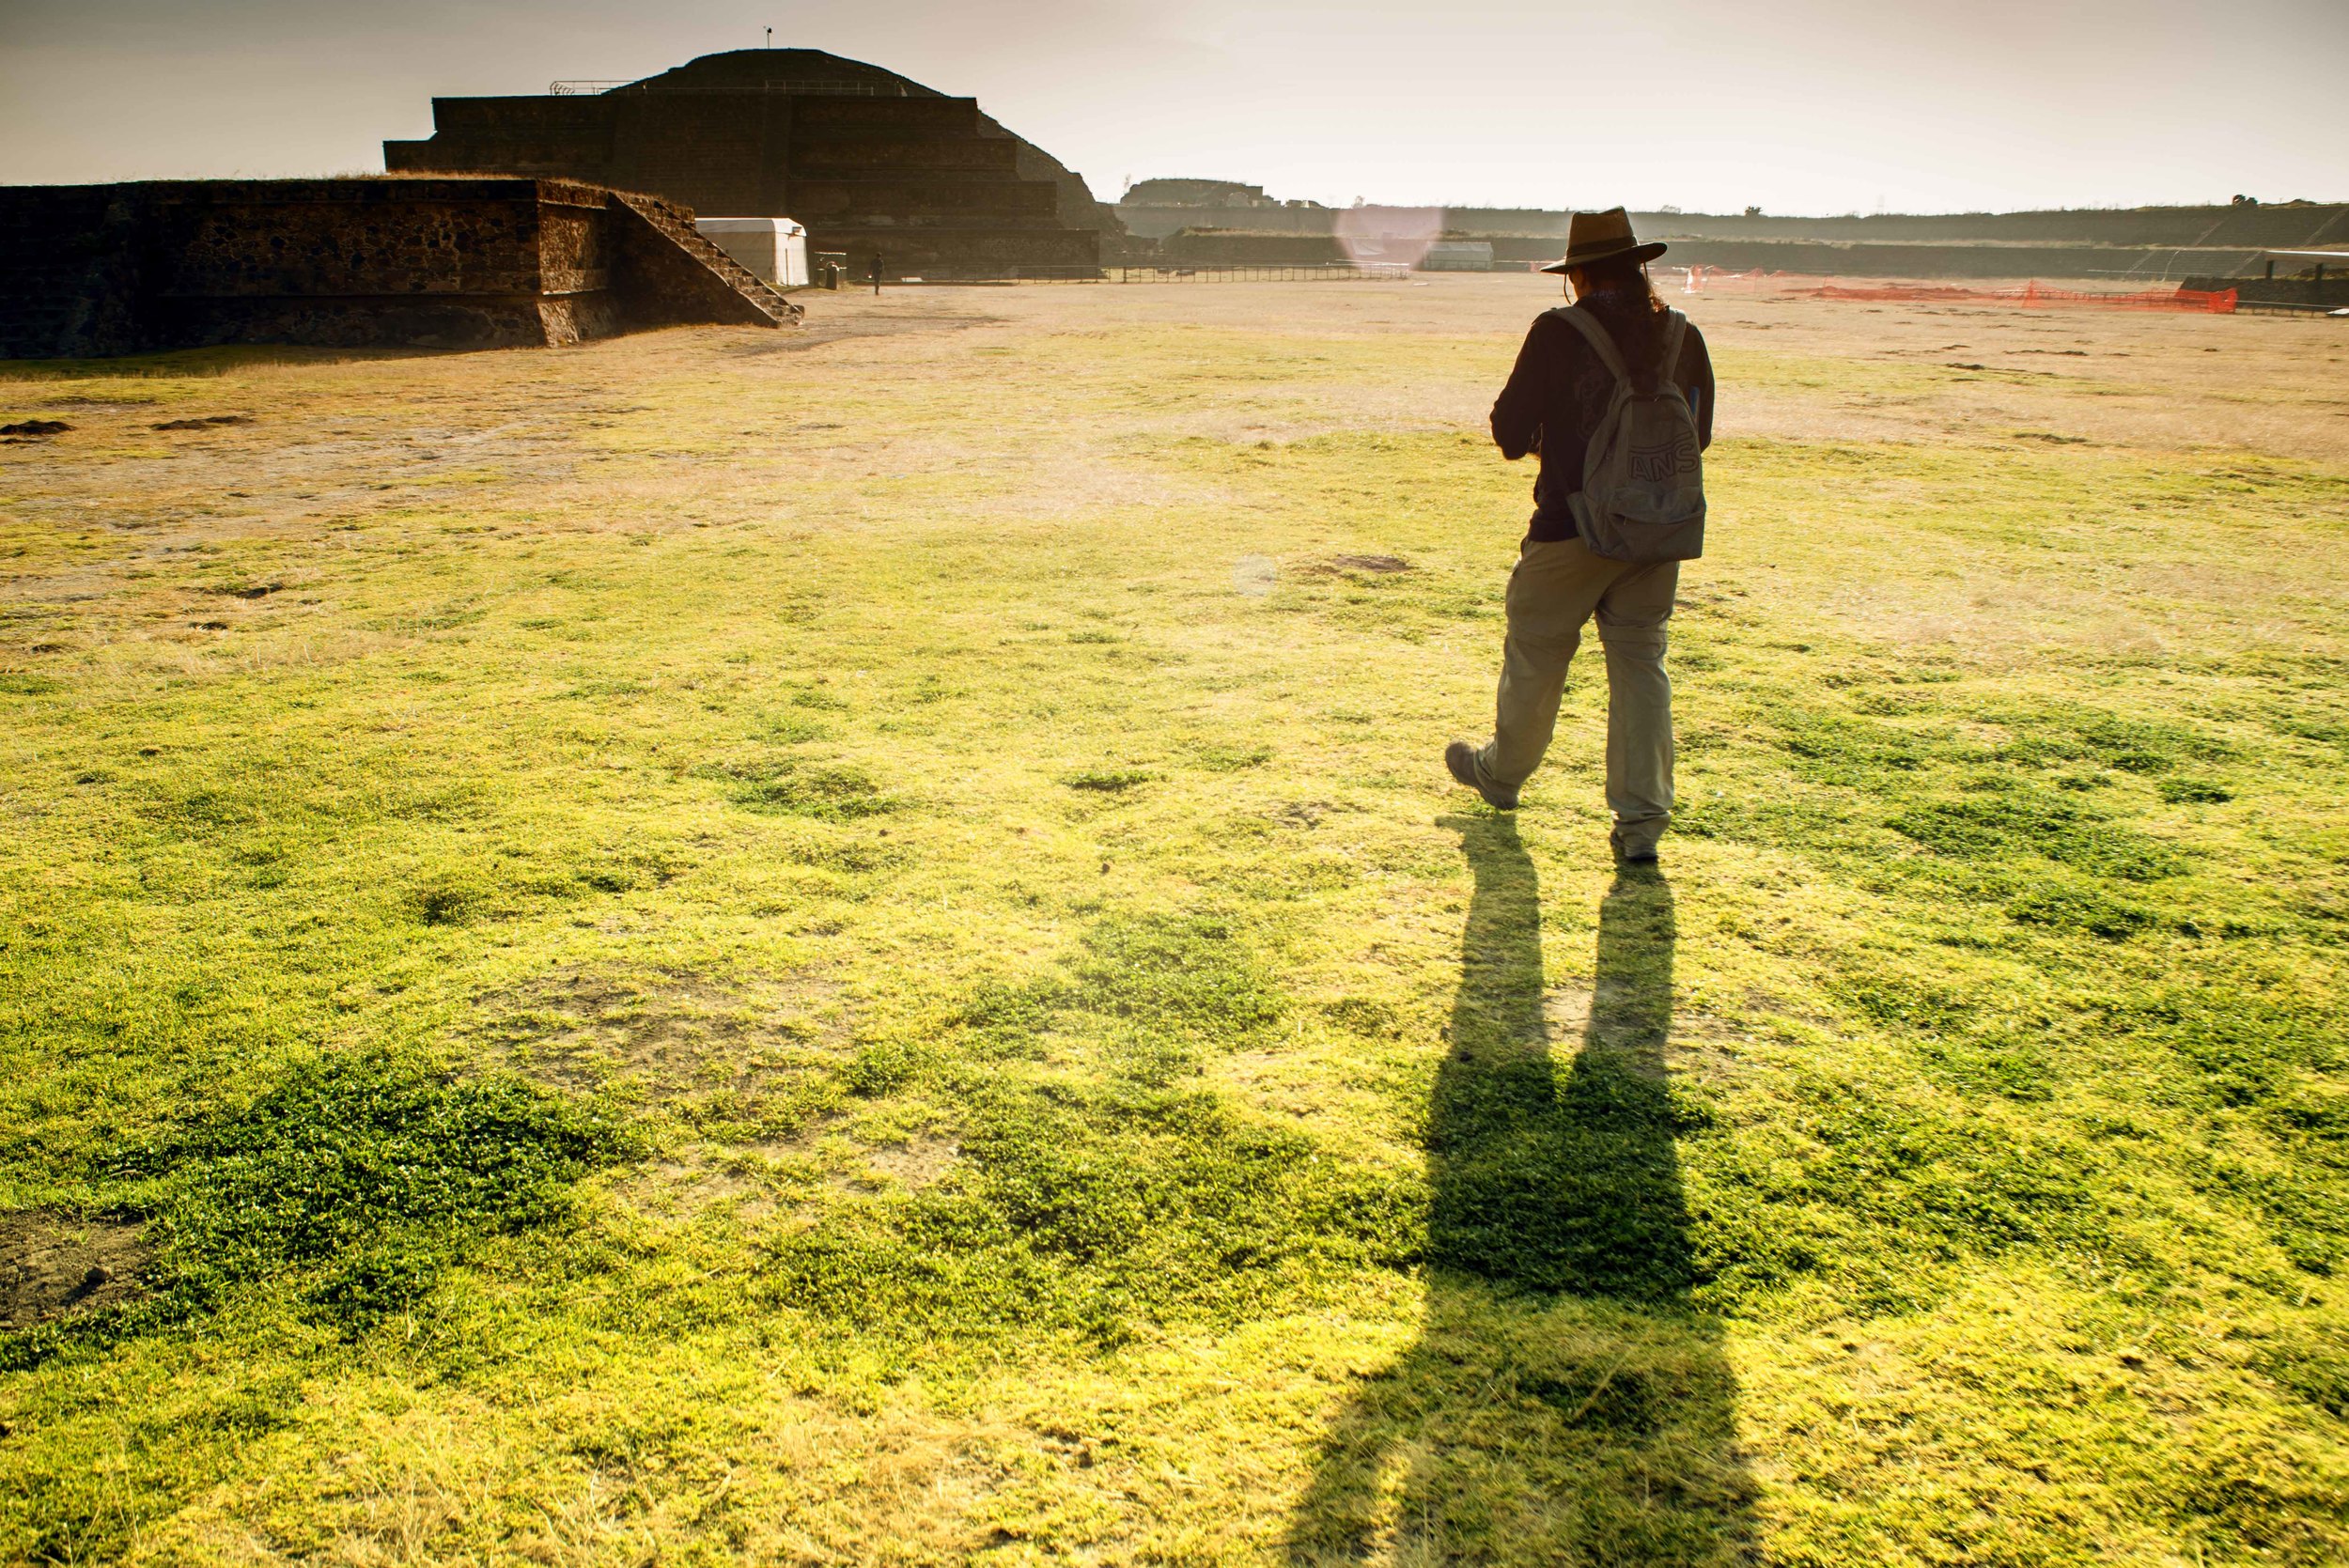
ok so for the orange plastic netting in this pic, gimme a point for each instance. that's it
(1703, 280)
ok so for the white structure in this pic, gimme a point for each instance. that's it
(1457, 256)
(774, 248)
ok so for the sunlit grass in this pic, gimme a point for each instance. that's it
(782, 964)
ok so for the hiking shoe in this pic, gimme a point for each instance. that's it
(1461, 759)
(1630, 851)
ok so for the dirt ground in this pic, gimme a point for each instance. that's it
(343, 438)
(1926, 372)
(2276, 384)
(52, 1265)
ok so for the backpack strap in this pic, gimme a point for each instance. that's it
(1601, 342)
(1676, 332)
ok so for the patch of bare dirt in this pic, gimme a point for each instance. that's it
(52, 1265)
(1378, 566)
(719, 1054)
(914, 1164)
(671, 1031)
(881, 320)
(699, 1178)
(205, 421)
(1623, 1017)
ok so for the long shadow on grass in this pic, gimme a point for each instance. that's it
(1564, 1403)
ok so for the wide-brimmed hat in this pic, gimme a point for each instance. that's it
(1602, 237)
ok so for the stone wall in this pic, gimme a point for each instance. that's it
(2117, 266)
(2234, 229)
(93, 271)
(254, 239)
(1241, 249)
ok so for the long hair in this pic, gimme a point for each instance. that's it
(1618, 292)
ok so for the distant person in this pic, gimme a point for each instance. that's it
(1609, 541)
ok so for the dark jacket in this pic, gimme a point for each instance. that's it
(1559, 391)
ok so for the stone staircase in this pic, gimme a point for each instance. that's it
(657, 284)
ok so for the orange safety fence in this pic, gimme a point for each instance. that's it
(1704, 280)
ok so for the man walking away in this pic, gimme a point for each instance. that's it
(1615, 392)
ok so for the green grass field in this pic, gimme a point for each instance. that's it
(854, 948)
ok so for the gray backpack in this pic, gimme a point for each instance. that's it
(1643, 496)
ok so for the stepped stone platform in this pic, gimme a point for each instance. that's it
(90, 271)
(872, 162)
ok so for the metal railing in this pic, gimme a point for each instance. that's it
(814, 86)
(837, 89)
(2288, 307)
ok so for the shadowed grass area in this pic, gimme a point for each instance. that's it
(784, 971)
(1563, 1402)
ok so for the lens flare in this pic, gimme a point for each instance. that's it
(1389, 236)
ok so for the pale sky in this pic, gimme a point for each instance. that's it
(1795, 105)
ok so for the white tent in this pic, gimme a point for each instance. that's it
(774, 248)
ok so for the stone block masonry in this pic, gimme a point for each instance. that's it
(90, 271)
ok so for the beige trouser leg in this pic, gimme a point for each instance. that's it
(1556, 587)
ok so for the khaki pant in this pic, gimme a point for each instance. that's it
(1557, 587)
